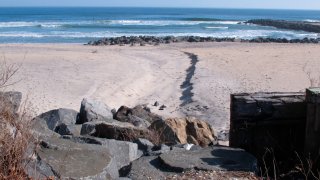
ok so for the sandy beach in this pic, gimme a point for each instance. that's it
(61, 75)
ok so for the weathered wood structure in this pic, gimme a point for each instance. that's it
(268, 121)
(312, 137)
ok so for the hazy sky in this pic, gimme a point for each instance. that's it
(278, 4)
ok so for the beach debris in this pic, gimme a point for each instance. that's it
(156, 103)
(162, 107)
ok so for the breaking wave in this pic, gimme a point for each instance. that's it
(106, 23)
(243, 34)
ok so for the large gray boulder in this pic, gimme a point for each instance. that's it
(212, 158)
(69, 160)
(121, 151)
(93, 110)
(57, 120)
(113, 130)
(218, 158)
(40, 129)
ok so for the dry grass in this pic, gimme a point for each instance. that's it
(297, 167)
(307, 168)
(15, 134)
(7, 71)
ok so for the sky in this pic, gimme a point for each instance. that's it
(264, 4)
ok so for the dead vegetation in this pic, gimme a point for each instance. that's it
(7, 71)
(296, 167)
(15, 134)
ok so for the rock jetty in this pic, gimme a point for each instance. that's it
(154, 40)
(292, 25)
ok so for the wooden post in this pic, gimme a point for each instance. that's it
(312, 138)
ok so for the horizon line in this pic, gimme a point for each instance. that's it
(248, 8)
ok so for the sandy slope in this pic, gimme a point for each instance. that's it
(60, 75)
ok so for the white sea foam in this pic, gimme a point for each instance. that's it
(165, 22)
(59, 24)
(216, 27)
(100, 34)
(22, 34)
(227, 22)
(16, 24)
(152, 23)
(243, 34)
(51, 25)
(312, 20)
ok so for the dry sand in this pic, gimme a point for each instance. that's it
(61, 75)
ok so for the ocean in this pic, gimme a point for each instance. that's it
(80, 25)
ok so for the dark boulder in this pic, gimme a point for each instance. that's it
(113, 130)
(140, 115)
(64, 129)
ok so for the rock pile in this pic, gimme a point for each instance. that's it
(100, 143)
(155, 40)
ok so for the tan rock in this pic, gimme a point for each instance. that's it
(185, 130)
(201, 131)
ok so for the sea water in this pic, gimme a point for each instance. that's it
(80, 25)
